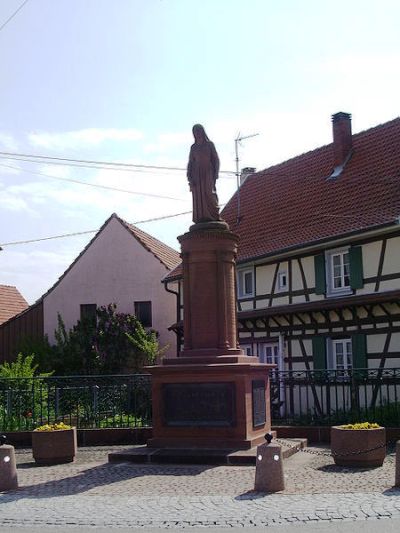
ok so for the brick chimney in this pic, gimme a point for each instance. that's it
(342, 141)
(245, 173)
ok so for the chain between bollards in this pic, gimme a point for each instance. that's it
(341, 454)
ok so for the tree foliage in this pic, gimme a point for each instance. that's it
(22, 367)
(114, 343)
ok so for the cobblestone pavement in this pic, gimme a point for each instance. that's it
(94, 493)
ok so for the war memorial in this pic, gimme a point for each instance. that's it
(212, 395)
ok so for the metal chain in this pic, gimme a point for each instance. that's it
(331, 454)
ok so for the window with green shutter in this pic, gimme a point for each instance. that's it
(320, 278)
(319, 352)
(356, 267)
(359, 342)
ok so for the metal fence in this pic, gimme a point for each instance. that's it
(297, 398)
(83, 401)
(329, 397)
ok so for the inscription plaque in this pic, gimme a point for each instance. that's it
(199, 404)
(259, 407)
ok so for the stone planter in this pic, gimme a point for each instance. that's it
(346, 443)
(53, 447)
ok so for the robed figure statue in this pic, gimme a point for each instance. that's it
(202, 173)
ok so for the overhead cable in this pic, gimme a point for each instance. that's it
(90, 163)
(96, 185)
(13, 15)
(76, 233)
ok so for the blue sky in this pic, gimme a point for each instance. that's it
(125, 80)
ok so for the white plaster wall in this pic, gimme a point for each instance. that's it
(264, 278)
(391, 264)
(308, 267)
(371, 253)
(297, 281)
(115, 268)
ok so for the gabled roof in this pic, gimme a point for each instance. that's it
(295, 204)
(165, 254)
(11, 302)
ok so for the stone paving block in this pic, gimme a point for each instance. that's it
(92, 492)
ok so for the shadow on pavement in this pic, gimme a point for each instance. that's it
(84, 480)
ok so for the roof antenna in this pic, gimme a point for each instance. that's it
(237, 142)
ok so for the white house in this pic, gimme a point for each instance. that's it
(123, 265)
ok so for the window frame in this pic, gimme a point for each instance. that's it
(275, 353)
(241, 283)
(280, 286)
(136, 305)
(245, 347)
(347, 354)
(85, 316)
(331, 290)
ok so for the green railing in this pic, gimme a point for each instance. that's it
(303, 397)
(329, 397)
(83, 401)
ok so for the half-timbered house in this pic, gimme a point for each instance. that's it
(318, 267)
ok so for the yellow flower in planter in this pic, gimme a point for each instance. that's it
(53, 427)
(361, 425)
(54, 443)
(361, 444)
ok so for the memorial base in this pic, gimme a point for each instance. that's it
(220, 405)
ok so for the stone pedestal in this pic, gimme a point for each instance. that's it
(210, 325)
(212, 395)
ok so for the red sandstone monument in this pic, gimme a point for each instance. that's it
(212, 395)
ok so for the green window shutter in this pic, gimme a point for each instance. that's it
(320, 280)
(359, 345)
(356, 267)
(319, 352)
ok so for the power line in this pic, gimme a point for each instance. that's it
(29, 241)
(154, 219)
(31, 158)
(77, 164)
(13, 15)
(107, 187)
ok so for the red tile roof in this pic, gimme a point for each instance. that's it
(11, 302)
(293, 203)
(165, 254)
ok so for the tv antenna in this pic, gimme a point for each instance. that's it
(238, 141)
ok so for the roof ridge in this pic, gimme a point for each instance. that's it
(143, 237)
(308, 152)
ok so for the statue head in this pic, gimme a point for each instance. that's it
(199, 133)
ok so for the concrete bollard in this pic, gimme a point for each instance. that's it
(397, 482)
(8, 468)
(269, 468)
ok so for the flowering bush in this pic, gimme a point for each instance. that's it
(53, 427)
(361, 425)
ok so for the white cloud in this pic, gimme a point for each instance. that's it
(166, 142)
(11, 202)
(7, 142)
(87, 137)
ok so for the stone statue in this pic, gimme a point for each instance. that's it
(202, 173)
